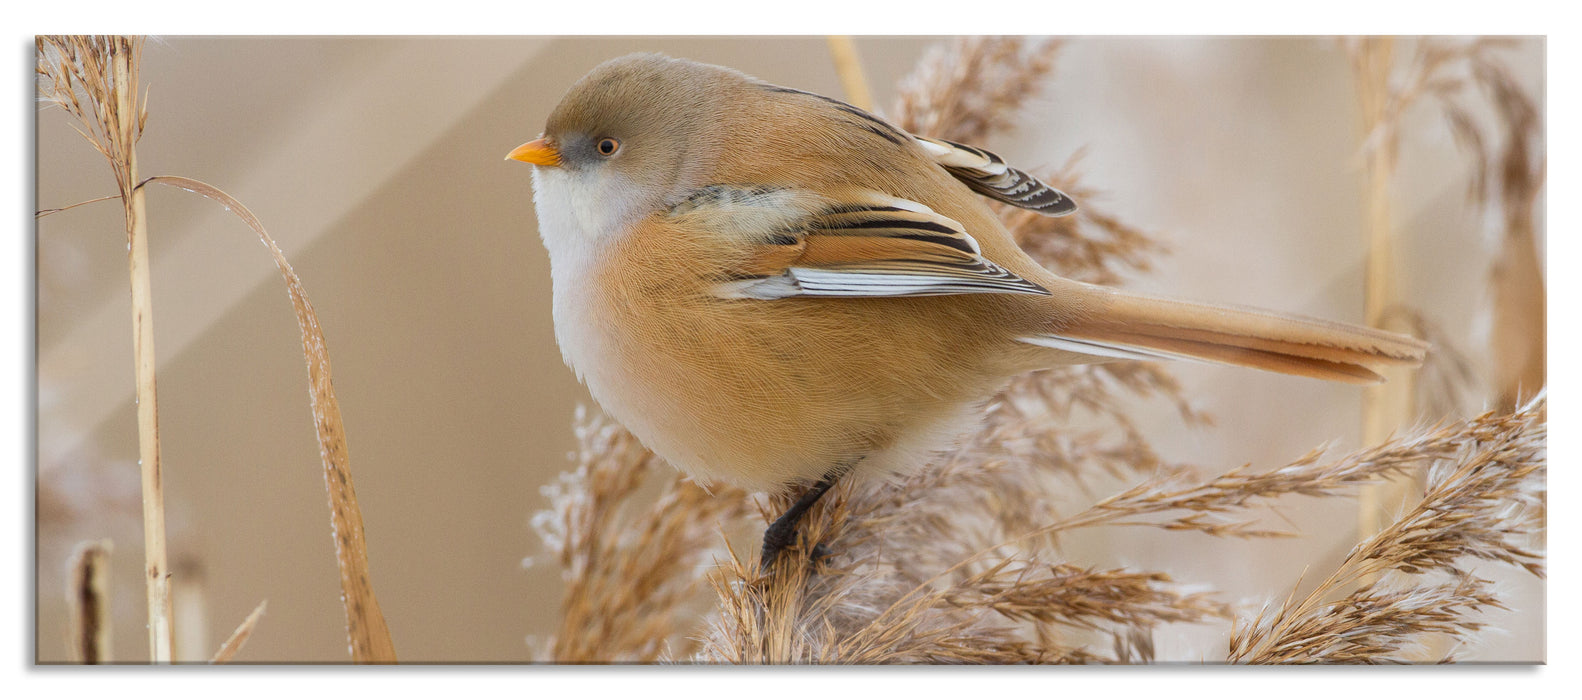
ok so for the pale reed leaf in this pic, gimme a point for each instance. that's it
(367, 633)
(233, 644)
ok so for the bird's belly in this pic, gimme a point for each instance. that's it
(694, 399)
(724, 393)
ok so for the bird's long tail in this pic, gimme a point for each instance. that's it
(1133, 326)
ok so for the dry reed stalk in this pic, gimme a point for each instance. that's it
(104, 70)
(88, 599)
(848, 65)
(1386, 406)
(366, 631)
(1483, 502)
(233, 644)
(190, 597)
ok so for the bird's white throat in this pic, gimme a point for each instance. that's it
(580, 212)
(579, 216)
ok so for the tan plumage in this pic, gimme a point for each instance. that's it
(769, 287)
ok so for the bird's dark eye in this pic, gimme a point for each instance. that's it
(608, 146)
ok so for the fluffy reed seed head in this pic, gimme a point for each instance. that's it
(78, 74)
(1484, 501)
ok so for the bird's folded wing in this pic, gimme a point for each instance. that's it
(867, 244)
(988, 175)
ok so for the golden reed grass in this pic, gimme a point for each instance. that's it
(960, 562)
(629, 571)
(94, 80)
(848, 65)
(1484, 500)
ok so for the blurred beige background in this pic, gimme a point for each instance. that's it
(377, 165)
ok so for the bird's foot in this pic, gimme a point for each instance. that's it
(782, 532)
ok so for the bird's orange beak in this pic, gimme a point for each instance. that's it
(537, 152)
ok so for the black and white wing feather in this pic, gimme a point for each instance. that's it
(869, 244)
(988, 175)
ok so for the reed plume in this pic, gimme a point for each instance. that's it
(1484, 500)
(629, 571)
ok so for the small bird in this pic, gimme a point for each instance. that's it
(775, 289)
